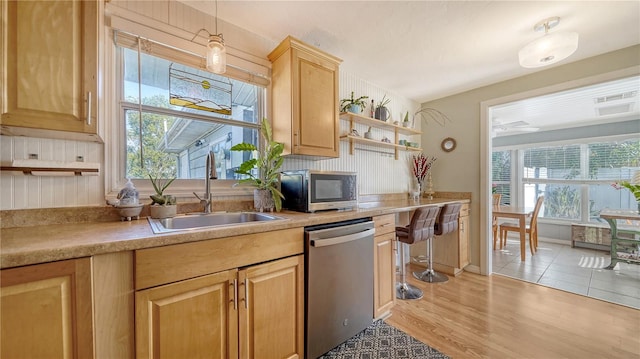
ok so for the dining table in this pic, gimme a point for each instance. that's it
(519, 213)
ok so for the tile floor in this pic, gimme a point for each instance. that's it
(576, 270)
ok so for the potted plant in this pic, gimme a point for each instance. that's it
(382, 113)
(368, 134)
(353, 105)
(405, 121)
(268, 161)
(162, 205)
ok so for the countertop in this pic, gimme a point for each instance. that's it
(39, 244)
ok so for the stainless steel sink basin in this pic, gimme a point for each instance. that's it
(205, 220)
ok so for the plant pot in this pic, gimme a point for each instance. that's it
(262, 200)
(164, 211)
(368, 135)
(354, 109)
(381, 114)
(406, 124)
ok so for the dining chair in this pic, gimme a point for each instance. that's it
(531, 228)
(496, 227)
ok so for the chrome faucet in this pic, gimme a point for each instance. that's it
(210, 174)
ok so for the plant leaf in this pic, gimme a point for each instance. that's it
(244, 147)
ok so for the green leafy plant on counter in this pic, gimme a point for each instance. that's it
(267, 162)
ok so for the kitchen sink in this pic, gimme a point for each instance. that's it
(207, 220)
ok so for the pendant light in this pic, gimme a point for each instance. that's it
(550, 48)
(216, 52)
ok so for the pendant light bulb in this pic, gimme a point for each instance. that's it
(216, 54)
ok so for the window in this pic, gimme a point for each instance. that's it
(501, 175)
(174, 114)
(574, 178)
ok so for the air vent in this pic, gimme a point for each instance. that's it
(620, 96)
(614, 110)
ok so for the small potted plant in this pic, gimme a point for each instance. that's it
(268, 161)
(382, 113)
(162, 205)
(353, 105)
(368, 134)
(405, 121)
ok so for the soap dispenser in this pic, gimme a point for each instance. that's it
(128, 196)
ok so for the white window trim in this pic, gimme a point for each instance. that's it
(115, 157)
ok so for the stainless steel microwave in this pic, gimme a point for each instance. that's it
(311, 190)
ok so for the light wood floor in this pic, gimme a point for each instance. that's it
(474, 316)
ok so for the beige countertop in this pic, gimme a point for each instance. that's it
(46, 243)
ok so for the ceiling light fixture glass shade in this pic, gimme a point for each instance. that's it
(216, 54)
(550, 48)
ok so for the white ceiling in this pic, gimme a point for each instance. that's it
(425, 50)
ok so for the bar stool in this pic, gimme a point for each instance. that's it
(420, 228)
(447, 222)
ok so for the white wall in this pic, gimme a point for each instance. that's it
(20, 192)
(460, 170)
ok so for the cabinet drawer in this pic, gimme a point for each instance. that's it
(162, 265)
(385, 224)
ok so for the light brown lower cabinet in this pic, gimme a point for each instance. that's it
(252, 312)
(384, 265)
(46, 310)
(451, 251)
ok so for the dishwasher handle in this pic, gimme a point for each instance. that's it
(342, 239)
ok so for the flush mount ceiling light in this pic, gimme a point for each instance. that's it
(550, 48)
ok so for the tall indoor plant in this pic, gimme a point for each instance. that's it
(267, 162)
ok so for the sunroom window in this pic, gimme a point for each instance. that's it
(576, 179)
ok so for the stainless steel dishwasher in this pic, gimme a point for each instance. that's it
(339, 283)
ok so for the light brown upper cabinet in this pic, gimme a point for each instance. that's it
(304, 99)
(50, 72)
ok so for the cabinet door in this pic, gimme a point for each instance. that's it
(384, 275)
(194, 318)
(315, 125)
(272, 309)
(46, 311)
(51, 66)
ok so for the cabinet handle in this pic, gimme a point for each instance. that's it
(246, 293)
(235, 294)
(89, 108)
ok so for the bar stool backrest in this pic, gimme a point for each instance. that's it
(421, 226)
(448, 219)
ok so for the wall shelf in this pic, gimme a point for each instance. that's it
(368, 121)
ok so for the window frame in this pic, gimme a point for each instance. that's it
(115, 155)
(518, 181)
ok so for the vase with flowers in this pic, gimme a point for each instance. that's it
(634, 188)
(421, 165)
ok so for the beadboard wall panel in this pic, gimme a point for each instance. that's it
(18, 191)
